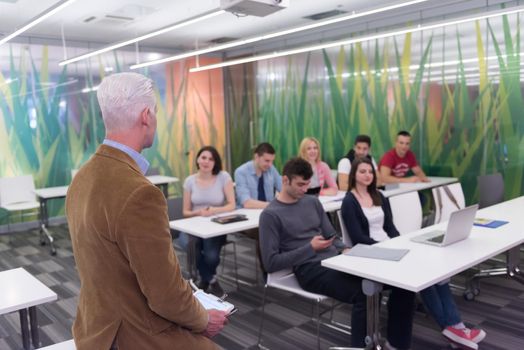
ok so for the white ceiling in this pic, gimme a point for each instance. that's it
(149, 15)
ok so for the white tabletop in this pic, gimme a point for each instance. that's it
(419, 186)
(21, 290)
(65, 345)
(203, 227)
(51, 192)
(332, 203)
(61, 191)
(426, 265)
(161, 179)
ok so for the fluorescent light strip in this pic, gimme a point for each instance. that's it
(143, 37)
(276, 34)
(358, 40)
(41, 17)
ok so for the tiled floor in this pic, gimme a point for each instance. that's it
(499, 309)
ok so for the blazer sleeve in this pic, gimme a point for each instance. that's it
(389, 226)
(142, 233)
(353, 218)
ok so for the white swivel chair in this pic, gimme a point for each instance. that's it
(17, 195)
(285, 280)
(447, 199)
(491, 192)
(346, 239)
(407, 212)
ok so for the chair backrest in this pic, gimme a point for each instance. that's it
(346, 239)
(491, 189)
(407, 212)
(18, 189)
(447, 199)
(273, 276)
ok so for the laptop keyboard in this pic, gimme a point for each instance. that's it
(437, 239)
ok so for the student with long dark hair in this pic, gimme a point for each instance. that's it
(208, 192)
(368, 219)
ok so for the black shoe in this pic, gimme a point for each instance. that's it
(203, 285)
(216, 289)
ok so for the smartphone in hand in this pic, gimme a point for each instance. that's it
(328, 236)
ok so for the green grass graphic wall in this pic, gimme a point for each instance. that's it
(459, 128)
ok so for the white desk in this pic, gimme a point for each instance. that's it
(426, 265)
(162, 182)
(49, 193)
(45, 194)
(22, 292)
(203, 227)
(419, 186)
(333, 203)
(65, 345)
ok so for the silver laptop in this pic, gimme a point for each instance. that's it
(459, 228)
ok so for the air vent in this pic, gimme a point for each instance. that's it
(120, 18)
(221, 40)
(111, 20)
(324, 15)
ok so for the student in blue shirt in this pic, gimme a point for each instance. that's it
(257, 180)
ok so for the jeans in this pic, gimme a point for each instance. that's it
(315, 278)
(439, 302)
(207, 253)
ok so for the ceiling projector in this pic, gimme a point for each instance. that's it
(259, 8)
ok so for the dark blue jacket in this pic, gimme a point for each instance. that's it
(357, 223)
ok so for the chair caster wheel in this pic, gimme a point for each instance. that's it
(469, 295)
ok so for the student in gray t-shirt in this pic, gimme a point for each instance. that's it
(294, 231)
(208, 192)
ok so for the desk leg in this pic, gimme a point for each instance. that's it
(372, 291)
(44, 223)
(24, 328)
(514, 270)
(33, 320)
(165, 189)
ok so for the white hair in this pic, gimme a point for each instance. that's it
(122, 97)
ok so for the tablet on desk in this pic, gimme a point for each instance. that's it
(228, 219)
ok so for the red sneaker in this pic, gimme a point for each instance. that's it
(465, 338)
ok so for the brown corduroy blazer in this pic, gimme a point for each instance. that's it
(132, 290)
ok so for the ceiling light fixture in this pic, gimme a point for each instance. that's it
(251, 40)
(417, 28)
(144, 37)
(41, 17)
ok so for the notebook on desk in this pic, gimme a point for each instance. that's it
(459, 227)
(374, 252)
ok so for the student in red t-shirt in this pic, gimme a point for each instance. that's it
(396, 162)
